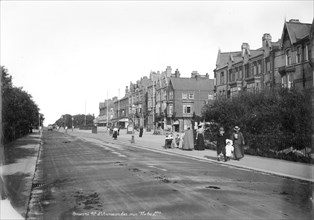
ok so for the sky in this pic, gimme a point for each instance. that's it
(71, 55)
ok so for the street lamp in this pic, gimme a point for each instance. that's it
(39, 122)
(132, 140)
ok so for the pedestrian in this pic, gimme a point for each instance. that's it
(115, 133)
(221, 144)
(238, 142)
(229, 149)
(188, 140)
(200, 137)
(141, 132)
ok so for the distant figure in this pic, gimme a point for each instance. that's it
(66, 129)
(188, 140)
(221, 144)
(115, 133)
(177, 141)
(141, 131)
(200, 138)
(31, 128)
(238, 142)
(229, 149)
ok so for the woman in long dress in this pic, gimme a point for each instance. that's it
(188, 140)
(115, 133)
(200, 138)
(238, 142)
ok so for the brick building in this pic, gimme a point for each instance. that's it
(186, 97)
(285, 63)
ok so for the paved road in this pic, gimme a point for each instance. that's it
(81, 177)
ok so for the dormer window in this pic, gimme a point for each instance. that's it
(288, 57)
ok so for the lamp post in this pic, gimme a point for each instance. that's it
(39, 122)
(132, 140)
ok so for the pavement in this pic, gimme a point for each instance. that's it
(17, 172)
(289, 169)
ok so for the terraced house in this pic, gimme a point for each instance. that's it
(186, 97)
(284, 63)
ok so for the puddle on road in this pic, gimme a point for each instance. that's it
(212, 187)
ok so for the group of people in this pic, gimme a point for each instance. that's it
(230, 148)
(227, 147)
(186, 141)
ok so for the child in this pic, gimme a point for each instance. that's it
(229, 149)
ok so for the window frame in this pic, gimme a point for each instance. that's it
(288, 57)
(189, 95)
(299, 55)
(185, 108)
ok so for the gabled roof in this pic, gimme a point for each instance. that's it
(192, 83)
(223, 58)
(296, 31)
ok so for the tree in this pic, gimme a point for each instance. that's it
(19, 111)
(274, 119)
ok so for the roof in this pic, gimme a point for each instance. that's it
(223, 58)
(296, 31)
(236, 56)
(192, 83)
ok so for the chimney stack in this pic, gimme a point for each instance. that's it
(266, 40)
(245, 49)
(177, 73)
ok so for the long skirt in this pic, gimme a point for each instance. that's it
(237, 152)
(200, 142)
(115, 134)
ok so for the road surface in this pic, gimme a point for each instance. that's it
(86, 178)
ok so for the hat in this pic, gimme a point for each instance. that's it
(236, 128)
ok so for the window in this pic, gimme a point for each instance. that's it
(268, 66)
(158, 108)
(287, 80)
(306, 53)
(288, 57)
(164, 94)
(247, 70)
(240, 73)
(191, 95)
(170, 95)
(170, 109)
(259, 68)
(222, 78)
(187, 109)
(184, 95)
(298, 58)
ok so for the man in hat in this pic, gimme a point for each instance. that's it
(238, 142)
(221, 144)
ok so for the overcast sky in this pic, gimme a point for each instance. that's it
(66, 54)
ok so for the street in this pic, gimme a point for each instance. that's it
(80, 177)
